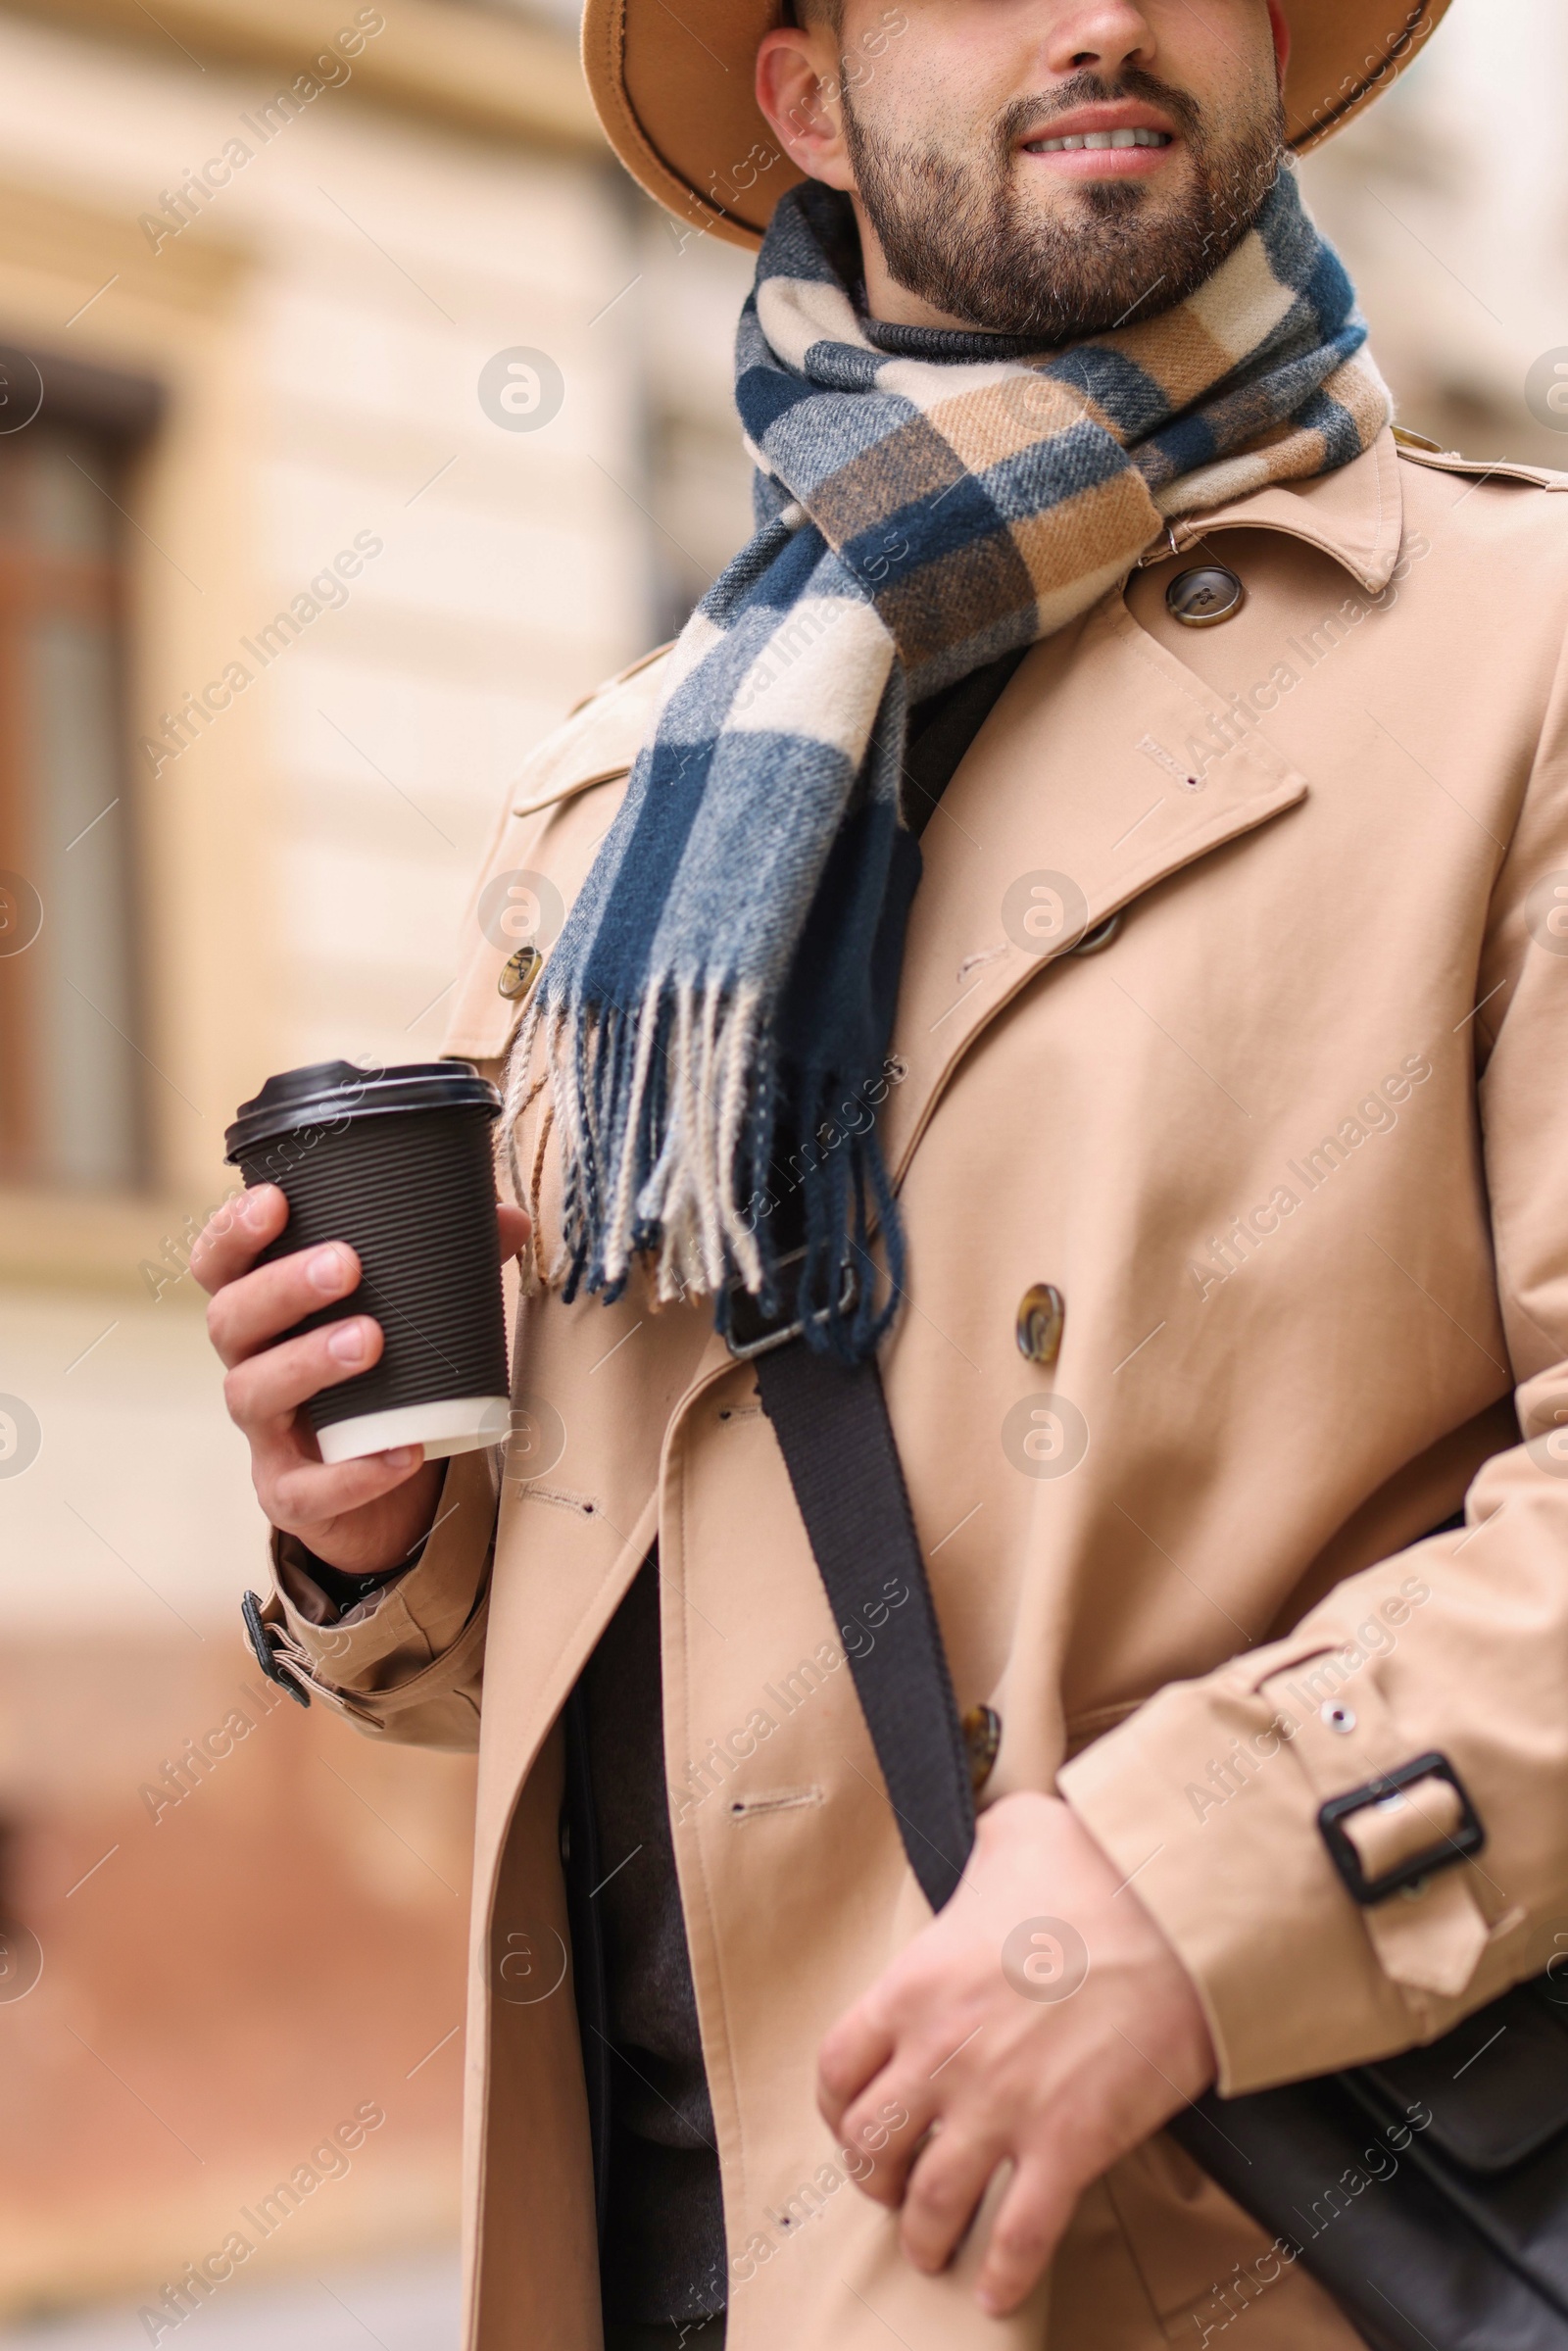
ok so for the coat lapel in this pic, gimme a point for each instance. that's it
(1105, 768)
(1356, 515)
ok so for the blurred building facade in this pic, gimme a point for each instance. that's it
(355, 419)
(287, 589)
(1450, 202)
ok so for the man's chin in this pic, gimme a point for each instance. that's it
(1058, 206)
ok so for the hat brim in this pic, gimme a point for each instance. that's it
(674, 92)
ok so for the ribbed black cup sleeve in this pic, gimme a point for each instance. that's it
(414, 1194)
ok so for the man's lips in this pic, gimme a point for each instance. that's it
(1124, 141)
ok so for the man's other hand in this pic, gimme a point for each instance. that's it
(1041, 2021)
(361, 1516)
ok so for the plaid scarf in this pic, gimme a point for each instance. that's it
(718, 1005)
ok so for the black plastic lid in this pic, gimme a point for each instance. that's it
(327, 1092)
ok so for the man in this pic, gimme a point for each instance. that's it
(1189, 1132)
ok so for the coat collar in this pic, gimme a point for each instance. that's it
(1356, 515)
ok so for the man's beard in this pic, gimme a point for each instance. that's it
(956, 231)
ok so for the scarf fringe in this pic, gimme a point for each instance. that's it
(668, 1138)
(650, 1108)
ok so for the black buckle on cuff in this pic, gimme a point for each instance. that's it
(1466, 1839)
(260, 1638)
(751, 1332)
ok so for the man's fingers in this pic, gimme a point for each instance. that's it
(1027, 2229)
(869, 2116)
(301, 1495)
(854, 2051)
(227, 1244)
(947, 2183)
(272, 1384)
(257, 1309)
(248, 1308)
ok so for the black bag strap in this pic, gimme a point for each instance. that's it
(831, 1421)
(837, 1441)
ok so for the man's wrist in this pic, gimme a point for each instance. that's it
(344, 1586)
(322, 1593)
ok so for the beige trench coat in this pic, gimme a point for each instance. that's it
(1293, 1145)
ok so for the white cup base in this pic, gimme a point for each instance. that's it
(460, 1425)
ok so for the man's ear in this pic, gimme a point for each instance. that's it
(1282, 37)
(799, 91)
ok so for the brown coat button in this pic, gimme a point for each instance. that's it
(518, 973)
(982, 1737)
(1206, 596)
(1101, 936)
(1041, 1312)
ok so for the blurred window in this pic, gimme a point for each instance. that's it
(70, 1068)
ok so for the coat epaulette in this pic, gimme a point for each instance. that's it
(644, 660)
(599, 740)
(1420, 452)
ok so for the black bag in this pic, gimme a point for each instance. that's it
(1427, 2194)
(1447, 2234)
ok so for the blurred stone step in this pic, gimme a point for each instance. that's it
(411, 2306)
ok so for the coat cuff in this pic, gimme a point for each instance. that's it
(414, 1638)
(1206, 1800)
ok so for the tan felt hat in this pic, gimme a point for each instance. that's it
(671, 80)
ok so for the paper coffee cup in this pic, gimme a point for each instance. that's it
(398, 1163)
